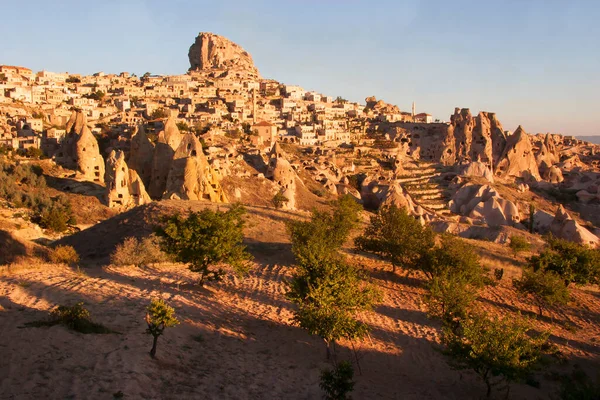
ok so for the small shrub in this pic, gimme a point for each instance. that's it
(75, 317)
(498, 274)
(64, 255)
(279, 200)
(338, 383)
(134, 251)
(519, 244)
(159, 317)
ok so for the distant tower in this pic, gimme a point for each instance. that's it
(413, 109)
(254, 106)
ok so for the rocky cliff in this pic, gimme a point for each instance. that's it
(211, 51)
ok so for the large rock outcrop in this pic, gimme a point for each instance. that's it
(280, 171)
(518, 159)
(141, 154)
(124, 188)
(211, 51)
(79, 150)
(190, 176)
(565, 227)
(477, 139)
(167, 142)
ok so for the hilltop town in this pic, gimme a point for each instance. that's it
(119, 151)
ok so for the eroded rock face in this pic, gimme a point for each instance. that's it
(565, 227)
(518, 159)
(89, 161)
(190, 176)
(211, 51)
(477, 139)
(141, 154)
(167, 142)
(124, 188)
(280, 171)
(79, 150)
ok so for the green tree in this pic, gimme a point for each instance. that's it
(159, 113)
(183, 127)
(322, 236)
(397, 237)
(159, 317)
(3, 78)
(207, 239)
(450, 299)
(453, 257)
(518, 244)
(338, 383)
(329, 295)
(545, 287)
(573, 262)
(497, 349)
(328, 291)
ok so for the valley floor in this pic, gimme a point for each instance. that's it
(236, 339)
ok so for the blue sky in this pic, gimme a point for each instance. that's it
(533, 62)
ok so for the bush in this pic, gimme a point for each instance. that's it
(279, 200)
(397, 237)
(502, 348)
(519, 244)
(545, 287)
(56, 218)
(159, 317)
(64, 255)
(338, 383)
(206, 239)
(320, 238)
(454, 257)
(579, 386)
(138, 252)
(573, 262)
(449, 298)
(77, 318)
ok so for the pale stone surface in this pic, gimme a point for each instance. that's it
(190, 176)
(518, 159)
(168, 141)
(280, 171)
(479, 169)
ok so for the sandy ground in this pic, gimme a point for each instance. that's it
(236, 339)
